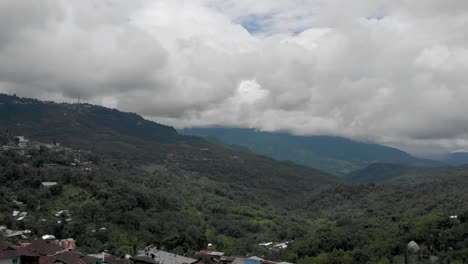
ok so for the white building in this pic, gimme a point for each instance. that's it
(22, 142)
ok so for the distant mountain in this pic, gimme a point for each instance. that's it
(457, 158)
(378, 172)
(401, 173)
(335, 155)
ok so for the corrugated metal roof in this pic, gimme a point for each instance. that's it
(168, 258)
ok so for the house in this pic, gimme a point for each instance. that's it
(10, 255)
(48, 184)
(226, 260)
(211, 253)
(69, 244)
(69, 257)
(7, 147)
(44, 247)
(281, 245)
(413, 247)
(22, 142)
(64, 213)
(144, 260)
(22, 215)
(152, 255)
(12, 233)
(254, 260)
(106, 258)
(238, 261)
(18, 203)
(48, 237)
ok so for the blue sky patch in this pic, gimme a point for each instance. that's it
(257, 23)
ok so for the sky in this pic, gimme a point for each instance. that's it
(393, 72)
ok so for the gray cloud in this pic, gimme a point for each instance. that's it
(393, 72)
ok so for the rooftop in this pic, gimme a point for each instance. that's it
(164, 257)
(44, 248)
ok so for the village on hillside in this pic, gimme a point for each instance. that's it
(50, 251)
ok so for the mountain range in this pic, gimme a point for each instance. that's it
(402, 173)
(121, 135)
(335, 155)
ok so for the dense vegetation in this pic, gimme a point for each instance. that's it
(182, 192)
(399, 173)
(368, 223)
(117, 206)
(335, 155)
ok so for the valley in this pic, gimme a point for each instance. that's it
(135, 182)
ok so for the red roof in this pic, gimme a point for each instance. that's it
(25, 252)
(7, 252)
(3, 246)
(46, 260)
(44, 248)
(68, 244)
(70, 257)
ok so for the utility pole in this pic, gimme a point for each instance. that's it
(78, 103)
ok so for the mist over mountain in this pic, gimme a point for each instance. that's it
(126, 135)
(234, 131)
(298, 66)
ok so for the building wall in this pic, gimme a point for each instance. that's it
(10, 261)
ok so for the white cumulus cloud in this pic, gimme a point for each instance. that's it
(387, 71)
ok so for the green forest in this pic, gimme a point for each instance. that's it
(135, 182)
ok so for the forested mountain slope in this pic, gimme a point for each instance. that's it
(335, 155)
(399, 173)
(128, 136)
(114, 205)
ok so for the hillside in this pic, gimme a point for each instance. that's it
(85, 126)
(457, 158)
(116, 206)
(398, 173)
(120, 135)
(127, 182)
(109, 205)
(335, 155)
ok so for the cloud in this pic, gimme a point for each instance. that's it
(386, 71)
